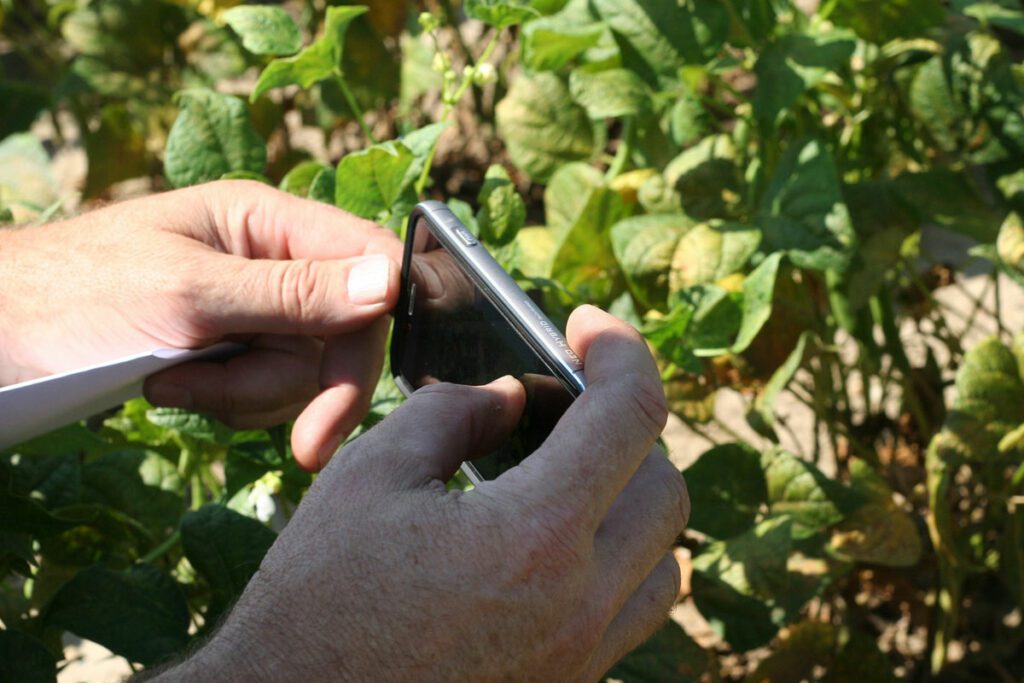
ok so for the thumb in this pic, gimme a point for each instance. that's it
(300, 296)
(436, 430)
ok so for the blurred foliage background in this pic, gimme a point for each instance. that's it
(810, 209)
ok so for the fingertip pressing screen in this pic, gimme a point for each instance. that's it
(447, 330)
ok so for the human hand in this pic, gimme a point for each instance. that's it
(552, 572)
(307, 286)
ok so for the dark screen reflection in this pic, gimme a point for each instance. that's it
(456, 335)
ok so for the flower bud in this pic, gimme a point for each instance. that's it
(428, 22)
(485, 73)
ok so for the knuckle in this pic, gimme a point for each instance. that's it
(299, 290)
(677, 498)
(552, 543)
(646, 400)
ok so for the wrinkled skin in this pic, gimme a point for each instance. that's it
(184, 269)
(552, 572)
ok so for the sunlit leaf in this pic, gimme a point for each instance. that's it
(798, 489)
(710, 251)
(792, 65)
(318, 61)
(212, 135)
(264, 30)
(615, 92)
(803, 212)
(542, 127)
(758, 295)
(644, 246)
(501, 13)
(371, 181)
(502, 211)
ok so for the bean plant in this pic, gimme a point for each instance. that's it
(756, 185)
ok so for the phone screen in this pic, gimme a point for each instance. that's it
(455, 334)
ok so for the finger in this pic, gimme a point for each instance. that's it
(436, 430)
(643, 614)
(253, 220)
(276, 372)
(306, 297)
(604, 436)
(643, 522)
(264, 419)
(349, 373)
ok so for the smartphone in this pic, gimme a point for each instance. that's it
(461, 318)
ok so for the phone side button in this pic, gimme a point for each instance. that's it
(465, 236)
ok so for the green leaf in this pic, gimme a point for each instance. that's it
(706, 178)
(22, 104)
(950, 200)
(1010, 243)
(716, 318)
(803, 212)
(585, 262)
(501, 13)
(711, 251)
(660, 37)
(322, 59)
(226, 548)
(669, 656)
(758, 294)
(116, 149)
(937, 107)
(370, 182)
(140, 614)
(727, 489)
(644, 246)
(567, 193)
(988, 406)
(264, 30)
(997, 14)
(798, 489)
(611, 93)
(549, 43)
(421, 143)
(762, 414)
(753, 563)
(794, 64)
(744, 622)
(879, 21)
(25, 659)
(878, 532)
(542, 127)
(323, 188)
(758, 18)
(806, 646)
(299, 180)
(190, 424)
(141, 484)
(212, 135)
(502, 211)
(26, 177)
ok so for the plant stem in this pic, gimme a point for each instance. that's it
(449, 106)
(357, 111)
(625, 149)
(163, 548)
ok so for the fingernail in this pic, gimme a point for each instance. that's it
(368, 281)
(170, 396)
